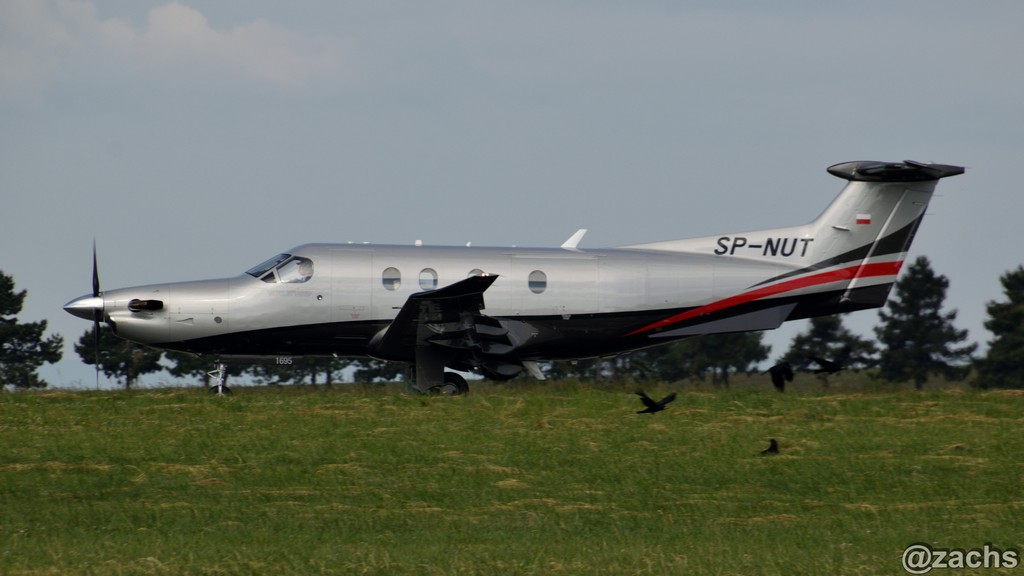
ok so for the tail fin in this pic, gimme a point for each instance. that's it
(864, 235)
(846, 259)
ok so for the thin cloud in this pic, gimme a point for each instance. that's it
(45, 41)
(179, 37)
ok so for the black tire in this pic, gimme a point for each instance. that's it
(454, 385)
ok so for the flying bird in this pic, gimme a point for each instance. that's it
(831, 366)
(826, 366)
(773, 448)
(650, 405)
(781, 373)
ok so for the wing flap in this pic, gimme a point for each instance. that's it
(448, 317)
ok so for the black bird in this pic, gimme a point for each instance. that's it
(831, 366)
(827, 366)
(650, 405)
(773, 448)
(781, 373)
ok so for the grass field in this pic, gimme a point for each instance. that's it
(556, 479)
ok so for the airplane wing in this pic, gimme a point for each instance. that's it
(448, 317)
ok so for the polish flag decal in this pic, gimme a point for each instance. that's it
(863, 218)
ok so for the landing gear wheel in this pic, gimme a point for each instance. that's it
(454, 385)
(220, 390)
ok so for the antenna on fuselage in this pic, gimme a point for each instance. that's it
(574, 240)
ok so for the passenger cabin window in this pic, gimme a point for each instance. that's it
(284, 268)
(428, 279)
(538, 281)
(392, 278)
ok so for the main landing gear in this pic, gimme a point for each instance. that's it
(433, 379)
(429, 375)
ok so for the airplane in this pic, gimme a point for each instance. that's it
(499, 311)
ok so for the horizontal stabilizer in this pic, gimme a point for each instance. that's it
(906, 171)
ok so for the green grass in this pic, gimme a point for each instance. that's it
(505, 480)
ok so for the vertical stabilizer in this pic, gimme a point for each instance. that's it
(846, 259)
(862, 238)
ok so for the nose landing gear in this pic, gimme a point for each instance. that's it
(221, 373)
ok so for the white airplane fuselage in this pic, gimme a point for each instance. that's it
(349, 300)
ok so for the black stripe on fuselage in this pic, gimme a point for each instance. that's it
(329, 339)
(894, 243)
(555, 337)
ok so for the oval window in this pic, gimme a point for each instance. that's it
(538, 281)
(392, 278)
(428, 279)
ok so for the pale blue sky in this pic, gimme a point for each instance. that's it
(195, 139)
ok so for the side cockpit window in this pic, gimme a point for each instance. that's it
(284, 268)
(295, 271)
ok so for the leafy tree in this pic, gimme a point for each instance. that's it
(632, 366)
(22, 347)
(373, 370)
(274, 374)
(118, 358)
(828, 338)
(716, 355)
(327, 371)
(312, 370)
(917, 338)
(1003, 365)
(671, 363)
(722, 353)
(635, 366)
(585, 368)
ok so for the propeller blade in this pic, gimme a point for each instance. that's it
(95, 271)
(96, 314)
(96, 345)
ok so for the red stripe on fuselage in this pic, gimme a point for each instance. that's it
(848, 273)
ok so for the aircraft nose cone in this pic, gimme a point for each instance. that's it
(85, 306)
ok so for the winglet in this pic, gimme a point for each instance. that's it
(574, 240)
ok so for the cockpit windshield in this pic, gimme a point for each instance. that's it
(283, 268)
(261, 269)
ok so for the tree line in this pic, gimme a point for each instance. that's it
(915, 341)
